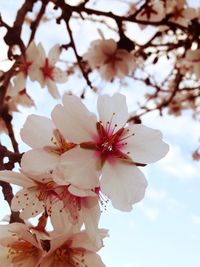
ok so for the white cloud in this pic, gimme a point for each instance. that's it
(149, 212)
(195, 219)
(155, 194)
(179, 166)
(184, 129)
(163, 198)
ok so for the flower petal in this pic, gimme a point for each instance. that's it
(145, 145)
(79, 168)
(82, 239)
(19, 82)
(16, 178)
(60, 218)
(38, 161)
(80, 193)
(123, 183)
(37, 131)
(53, 90)
(93, 259)
(108, 108)
(54, 54)
(31, 52)
(28, 203)
(74, 121)
(91, 214)
(108, 46)
(107, 72)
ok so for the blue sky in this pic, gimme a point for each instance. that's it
(164, 228)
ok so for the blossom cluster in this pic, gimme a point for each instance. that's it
(76, 160)
(79, 160)
(38, 67)
(177, 11)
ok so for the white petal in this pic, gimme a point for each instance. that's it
(31, 52)
(58, 241)
(19, 82)
(28, 203)
(41, 54)
(74, 121)
(37, 131)
(53, 90)
(60, 218)
(83, 240)
(91, 214)
(36, 75)
(79, 168)
(6, 231)
(146, 145)
(54, 54)
(16, 178)
(38, 161)
(123, 183)
(113, 109)
(80, 193)
(107, 72)
(93, 259)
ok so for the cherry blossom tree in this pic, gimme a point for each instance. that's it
(78, 156)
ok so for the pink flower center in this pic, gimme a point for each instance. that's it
(56, 193)
(47, 70)
(60, 144)
(24, 66)
(109, 142)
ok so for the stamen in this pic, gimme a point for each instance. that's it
(109, 123)
(126, 137)
(73, 257)
(60, 145)
(103, 200)
(20, 250)
(113, 130)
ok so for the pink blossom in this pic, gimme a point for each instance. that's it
(181, 13)
(26, 66)
(66, 205)
(46, 73)
(48, 144)
(19, 247)
(152, 11)
(74, 249)
(108, 146)
(13, 99)
(110, 61)
(192, 60)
